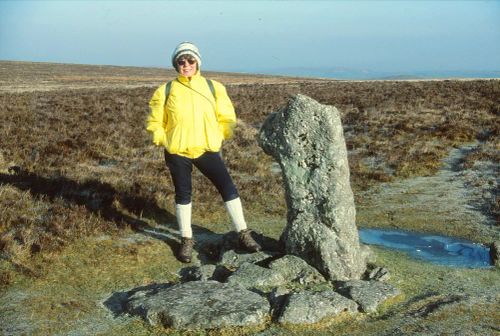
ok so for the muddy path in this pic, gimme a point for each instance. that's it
(453, 200)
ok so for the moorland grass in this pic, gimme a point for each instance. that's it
(88, 151)
(78, 174)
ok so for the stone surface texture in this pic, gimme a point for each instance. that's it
(312, 307)
(277, 297)
(379, 274)
(296, 269)
(253, 276)
(194, 273)
(368, 294)
(306, 139)
(200, 305)
(232, 260)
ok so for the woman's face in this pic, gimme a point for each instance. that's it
(187, 66)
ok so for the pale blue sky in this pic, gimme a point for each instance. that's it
(258, 36)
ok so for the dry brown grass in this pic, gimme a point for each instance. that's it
(392, 129)
(29, 76)
(83, 162)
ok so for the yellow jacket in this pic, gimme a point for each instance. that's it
(192, 121)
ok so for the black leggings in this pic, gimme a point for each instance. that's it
(209, 164)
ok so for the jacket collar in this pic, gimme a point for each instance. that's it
(184, 79)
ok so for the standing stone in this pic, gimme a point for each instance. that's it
(306, 138)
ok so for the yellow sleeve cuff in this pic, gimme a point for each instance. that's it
(159, 137)
(227, 130)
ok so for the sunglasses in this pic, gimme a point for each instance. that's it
(183, 61)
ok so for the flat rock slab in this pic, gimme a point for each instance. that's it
(199, 305)
(368, 294)
(253, 276)
(296, 269)
(311, 307)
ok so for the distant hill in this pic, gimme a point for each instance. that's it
(366, 74)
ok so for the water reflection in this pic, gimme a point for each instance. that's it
(436, 249)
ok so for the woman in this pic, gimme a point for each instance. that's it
(190, 117)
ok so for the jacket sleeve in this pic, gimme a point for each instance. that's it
(157, 119)
(225, 111)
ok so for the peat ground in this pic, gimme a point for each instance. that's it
(81, 185)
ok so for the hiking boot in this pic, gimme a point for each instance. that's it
(186, 250)
(247, 242)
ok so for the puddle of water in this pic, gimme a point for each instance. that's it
(436, 249)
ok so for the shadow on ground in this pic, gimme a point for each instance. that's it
(116, 302)
(100, 198)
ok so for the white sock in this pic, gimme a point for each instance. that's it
(236, 213)
(183, 214)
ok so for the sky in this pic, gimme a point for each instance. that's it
(282, 37)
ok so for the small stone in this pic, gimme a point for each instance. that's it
(311, 307)
(197, 273)
(206, 272)
(368, 294)
(253, 276)
(379, 274)
(368, 254)
(297, 269)
(189, 273)
(495, 253)
(277, 298)
(232, 260)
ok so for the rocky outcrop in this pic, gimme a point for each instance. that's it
(199, 305)
(306, 138)
(285, 290)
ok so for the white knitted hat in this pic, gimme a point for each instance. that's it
(186, 48)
